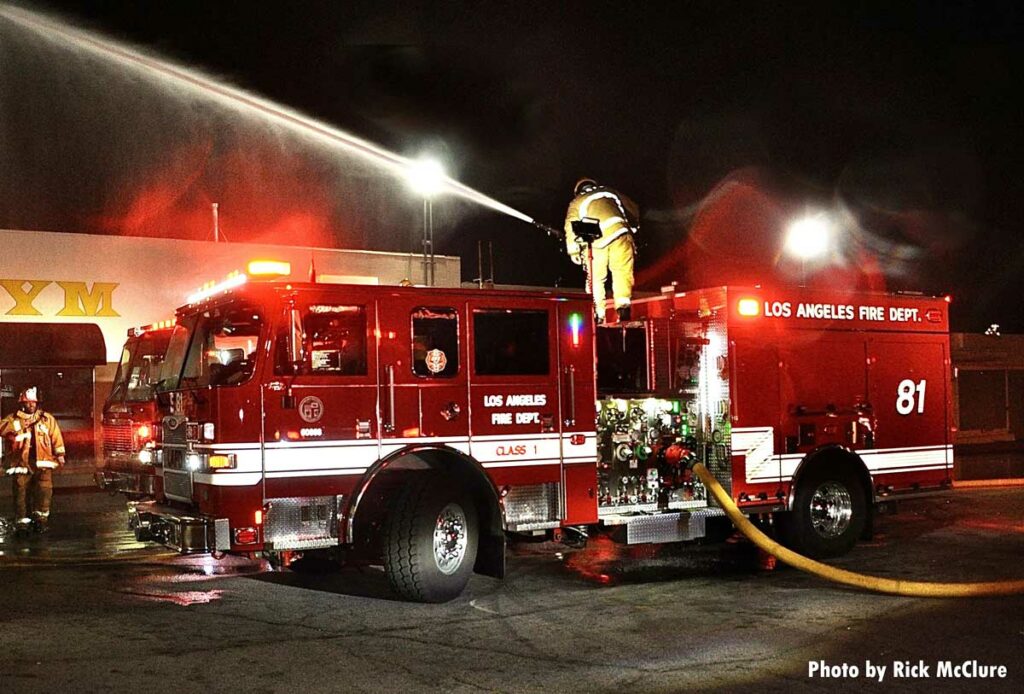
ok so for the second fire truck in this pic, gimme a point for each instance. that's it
(418, 427)
(131, 414)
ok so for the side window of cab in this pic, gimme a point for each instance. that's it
(334, 342)
(435, 342)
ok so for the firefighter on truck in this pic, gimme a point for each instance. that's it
(421, 427)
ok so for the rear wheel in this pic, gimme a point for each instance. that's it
(430, 539)
(829, 512)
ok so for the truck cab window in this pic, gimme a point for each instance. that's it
(223, 347)
(435, 342)
(511, 342)
(335, 342)
(122, 375)
(145, 366)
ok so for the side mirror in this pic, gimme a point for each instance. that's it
(296, 343)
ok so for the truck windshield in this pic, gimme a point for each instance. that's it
(139, 367)
(214, 348)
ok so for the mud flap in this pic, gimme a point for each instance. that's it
(490, 556)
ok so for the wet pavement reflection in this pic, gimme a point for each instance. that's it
(90, 530)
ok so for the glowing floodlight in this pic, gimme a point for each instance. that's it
(809, 237)
(426, 176)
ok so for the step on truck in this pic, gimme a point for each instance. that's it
(421, 427)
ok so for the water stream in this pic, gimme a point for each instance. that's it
(139, 72)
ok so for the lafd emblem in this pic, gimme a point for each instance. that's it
(436, 361)
(311, 409)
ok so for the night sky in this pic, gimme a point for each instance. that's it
(723, 120)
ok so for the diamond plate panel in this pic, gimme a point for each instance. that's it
(178, 485)
(222, 534)
(668, 527)
(306, 522)
(527, 507)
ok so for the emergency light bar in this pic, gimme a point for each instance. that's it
(264, 268)
(255, 269)
(160, 325)
(235, 279)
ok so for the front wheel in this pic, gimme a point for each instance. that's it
(829, 513)
(430, 539)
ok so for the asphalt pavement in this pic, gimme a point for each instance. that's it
(87, 609)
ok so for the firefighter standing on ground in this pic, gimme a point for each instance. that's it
(613, 251)
(32, 448)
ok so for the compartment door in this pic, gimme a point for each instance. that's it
(908, 382)
(423, 385)
(578, 414)
(325, 433)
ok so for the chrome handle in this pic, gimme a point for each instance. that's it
(389, 425)
(571, 373)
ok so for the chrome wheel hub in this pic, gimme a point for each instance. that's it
(450, 538)
(831, 510)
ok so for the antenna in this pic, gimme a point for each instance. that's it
(490, 254)
(480, 280)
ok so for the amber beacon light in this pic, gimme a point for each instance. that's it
(748, 307)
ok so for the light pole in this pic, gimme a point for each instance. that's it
(808, 238)
(426, 177)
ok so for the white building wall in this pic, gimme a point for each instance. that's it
(134, 281)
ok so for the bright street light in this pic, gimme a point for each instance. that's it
(426, 176)
(809, 237)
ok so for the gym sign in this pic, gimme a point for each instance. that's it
(80, 299)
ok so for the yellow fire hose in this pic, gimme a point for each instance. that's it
(881, 585)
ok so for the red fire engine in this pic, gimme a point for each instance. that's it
(131, 416)
(419, 426)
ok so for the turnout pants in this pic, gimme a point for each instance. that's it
(617, 258)
(33, 493)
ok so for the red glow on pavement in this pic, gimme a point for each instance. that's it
(601, 554)
(184, 599)
(998, 526)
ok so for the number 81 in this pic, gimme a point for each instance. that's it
(908, 394)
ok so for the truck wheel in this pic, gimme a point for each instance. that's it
(430, 539)
(829, 513)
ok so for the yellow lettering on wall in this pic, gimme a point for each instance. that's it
(79, 300)
(23, 299)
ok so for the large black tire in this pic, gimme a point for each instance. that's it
(415, 571)
(829, 512)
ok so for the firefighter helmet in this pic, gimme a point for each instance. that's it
(583, 185)
(29, 395)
